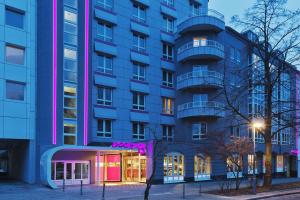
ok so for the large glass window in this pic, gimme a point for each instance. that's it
(199, 131)
(173, 168)
(15, 55)
(138, 101)
(202, 167)
(139, 13)
(138, 130)
(104, 96)
(233, 168)
(15, 90)
(105, 64)
(168, 133)
(71, 3)
(106, 4)
(105, 32)
(139, 43)
(14, 18)
(168, 105)
(70, 132)
(70, 107)
(139, 72)
(168, 78)
(167, 51)
(104, 128)
(250, 164)
(70, 16)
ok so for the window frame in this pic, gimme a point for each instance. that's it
(139, 97)
(104, 133)
(139, 42)
(168, 51)
(105, 90)
(15, 11)
(168, 105)
(16, 83)
(107, 35)
(166, 76)
(105, 69)
(200, 134)
(12, 46)
(139, 76)
(166, 130)
(140, 128)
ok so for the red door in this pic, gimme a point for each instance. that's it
(113, 169)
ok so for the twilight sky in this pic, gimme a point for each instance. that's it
(237, 7)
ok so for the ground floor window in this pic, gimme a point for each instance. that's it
(279, 163)
(3, 162)
(250, 164)
(234, 166)
(173, 167)
(72, 172)
(202, 167)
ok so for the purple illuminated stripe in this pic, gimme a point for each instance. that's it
(54, 68)
(296, 151)
(86, 74)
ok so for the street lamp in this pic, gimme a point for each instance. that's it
(257, 124)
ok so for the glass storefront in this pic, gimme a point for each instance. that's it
(202, 167)
(173, 168)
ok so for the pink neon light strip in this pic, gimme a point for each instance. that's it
(297, 110)
(54, 68)
(86, 75)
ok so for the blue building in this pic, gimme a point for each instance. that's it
(114, 76)
(17, 90)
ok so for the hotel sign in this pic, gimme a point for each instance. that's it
(141, 147)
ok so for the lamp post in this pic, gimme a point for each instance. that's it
(255, 125)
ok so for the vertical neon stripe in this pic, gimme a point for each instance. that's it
(54, 68)
(297, 112)
(86, 75)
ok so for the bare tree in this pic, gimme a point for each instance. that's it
(232, 151)
(276, 50)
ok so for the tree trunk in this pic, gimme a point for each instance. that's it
(268, 164)
(147, 190)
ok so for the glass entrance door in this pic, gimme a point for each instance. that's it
(134, 168)
(70, 171)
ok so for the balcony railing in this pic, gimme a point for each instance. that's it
(199, 44)
(201, 104)
(201, 74)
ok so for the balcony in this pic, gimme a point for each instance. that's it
(203, 20)
(200, 49)
(200, 80)
(201, 109)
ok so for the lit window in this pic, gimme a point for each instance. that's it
(15, 55)
(138, 101)
(70, 130)
(70, 103)
(168, 133)
(202, 167)
(250, 164)
(70, 16)
(104, 128)
(138, 130)
(168, 105)
(139, 72)
(234, 166)
(173, 168)
(15, 90)
(139, 13)
(104, 96)
(105, 64)
(199, 131)
(167, 51)
(14, 18)
(70, 53)
(168, 78)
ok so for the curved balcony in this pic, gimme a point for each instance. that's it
(203, 20)
(201, 109)
(206, 49)
(200, 79)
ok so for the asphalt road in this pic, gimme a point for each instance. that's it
(287, 197)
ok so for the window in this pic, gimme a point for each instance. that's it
(71, 3)
(168, 133)
(14, 18)
(15, 90)
(138, 101)
(250, 164)
(70, 16)
(168, 24)
(70, 70)
(139, 13)
(285, 136)
(105, 32)
(139, 72)
(167, 51)
(202, 168)
(168, 2)
(235, 131)
(200, 41)
(104, 128)
(232, 168)
(280, 163)
(15, 55)
(235, 55)
(139, 43)
(104, 96)
(173, 168)
(168, 78)
(106, 4)
(105, 64)
(70, 131)
(70, 33)
(70, 53)
(195, 9)
(70, 107)
(199, 131)
(168, 105)
(138, 130)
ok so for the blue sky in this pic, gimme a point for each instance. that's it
(237, 7)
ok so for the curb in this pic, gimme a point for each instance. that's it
(274, 195)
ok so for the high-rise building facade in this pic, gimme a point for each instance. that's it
(115, 76)
(17, 89)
